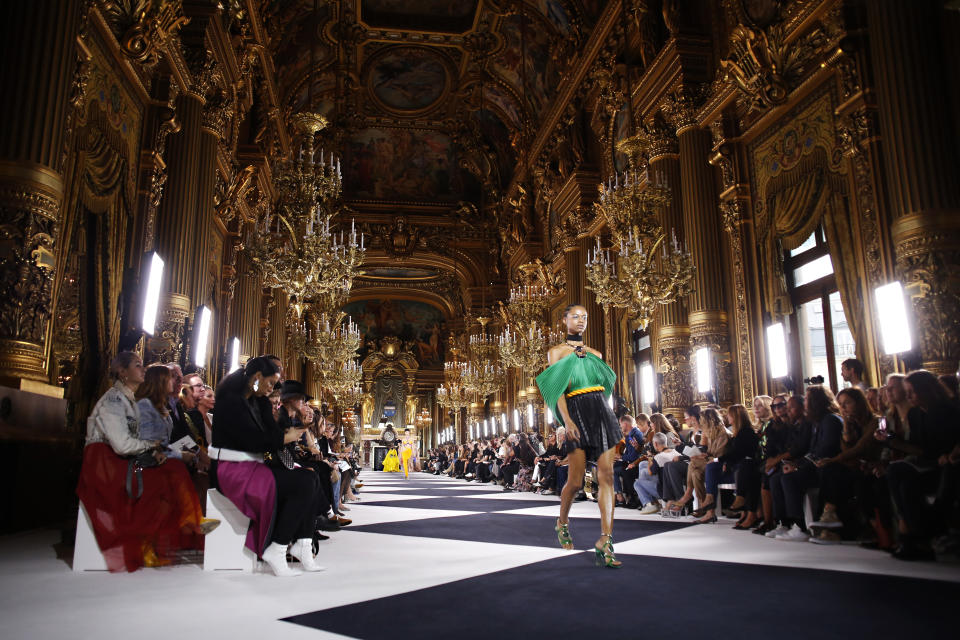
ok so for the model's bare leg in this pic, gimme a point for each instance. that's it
(605, 491)
(577, 462)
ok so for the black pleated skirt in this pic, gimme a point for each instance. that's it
(599, 427)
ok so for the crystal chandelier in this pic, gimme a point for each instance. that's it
(645, 270)
(526, 337)
(343, 381)
(482, 373)
(296, 249)
(452, 394)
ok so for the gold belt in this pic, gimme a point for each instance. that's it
(584, 390)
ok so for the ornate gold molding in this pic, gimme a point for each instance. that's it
(928, 261)
(143, 27)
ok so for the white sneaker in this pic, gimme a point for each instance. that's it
(469, 475)
(795, 534)
(302, 550)
(776, 532)
(276, 558)
(650, 509)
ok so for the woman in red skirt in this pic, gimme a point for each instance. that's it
(139, 519)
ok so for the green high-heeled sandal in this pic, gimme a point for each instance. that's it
(563, 535)
(604, 552)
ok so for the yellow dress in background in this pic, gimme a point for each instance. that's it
(391, 462)
(406, 448)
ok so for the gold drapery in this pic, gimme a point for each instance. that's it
(798, 201)
(102, 218)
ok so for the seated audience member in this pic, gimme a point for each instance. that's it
(562, 465)
(525, 455)
(841, 475)
(951, 384)
(742, 456)
(633, 443)
(934, 432)
(548, 465)
(851, 370)
(268, 495)
(798, 444)
(875, 401)
(736, 460)
(647, 485)
(205, 406)
(774, 441)
(826, 431)
(713, 443)
(158, 513)
(155, 421)
(509, 465)
(295, 413)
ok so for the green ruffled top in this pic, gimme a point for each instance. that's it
(570, 373)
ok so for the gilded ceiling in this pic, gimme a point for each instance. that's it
(426, 97)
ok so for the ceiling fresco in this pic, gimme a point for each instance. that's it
(408, 83)
(436, 15)
(407, 78)
(400, 164)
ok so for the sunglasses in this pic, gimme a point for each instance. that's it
(777, 405)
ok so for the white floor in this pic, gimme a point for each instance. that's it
(41, 598)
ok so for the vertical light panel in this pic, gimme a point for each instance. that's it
(704, 377)
(647, 390)
(892, 313)
(202, 336)
(516, 420)
(529, 416)
(777, 350)
(234, 354)
(151, 295)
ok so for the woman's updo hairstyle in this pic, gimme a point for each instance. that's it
(122, 361)
(262, 365)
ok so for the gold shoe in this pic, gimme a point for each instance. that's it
(207, 525)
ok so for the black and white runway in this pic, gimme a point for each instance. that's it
(433, 556)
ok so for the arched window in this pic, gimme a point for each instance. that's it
(820, 337)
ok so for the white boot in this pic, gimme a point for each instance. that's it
(276, 557)
(302, 550)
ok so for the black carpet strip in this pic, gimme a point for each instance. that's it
(462, 504)
(654, 597)
(503, 528)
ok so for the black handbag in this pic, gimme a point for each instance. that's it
(135, 466)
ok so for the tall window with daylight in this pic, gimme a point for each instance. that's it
(819, 338)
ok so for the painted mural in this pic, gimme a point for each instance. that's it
(407, 78)
(495, 95)
(418, 325)
(400, 164)
(541, 72)
(556, 13)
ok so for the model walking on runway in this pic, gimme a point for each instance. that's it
(406, 451)
(575, 386)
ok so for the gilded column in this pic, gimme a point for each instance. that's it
(701, 224)
(245, 312)
(673, 332)
(920, 162)
(176, 231)
(593, 336)
(39, 66)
